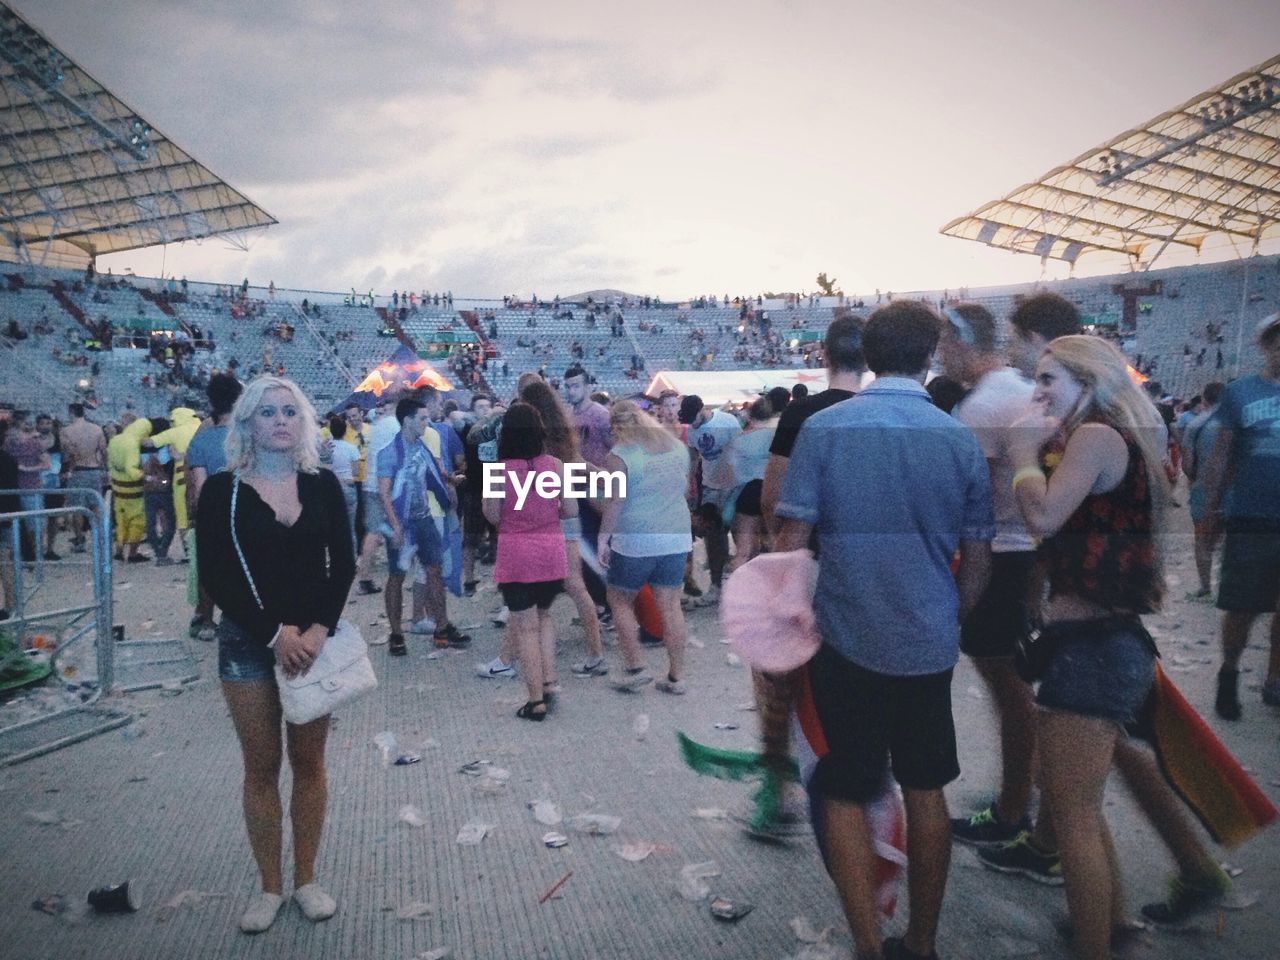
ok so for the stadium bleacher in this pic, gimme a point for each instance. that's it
(1183, 326)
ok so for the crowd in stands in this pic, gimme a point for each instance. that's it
(82, 334)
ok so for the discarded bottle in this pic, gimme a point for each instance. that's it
(693, 884)
(545, 812)
(411, 815)
(386, 743)
(472, 833)
(641, 726)
(594, 823)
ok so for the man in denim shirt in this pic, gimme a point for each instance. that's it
(893, 487)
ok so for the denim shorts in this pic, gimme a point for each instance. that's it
(632, 573)
(422, 540)
(1106, 674)
(241, 659)
(82, 478)
(375, 520)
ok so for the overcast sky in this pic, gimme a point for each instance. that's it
(673, 148)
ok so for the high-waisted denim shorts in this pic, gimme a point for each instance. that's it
(1104, 673)
(241, 658)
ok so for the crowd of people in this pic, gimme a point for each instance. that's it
(1036, 490)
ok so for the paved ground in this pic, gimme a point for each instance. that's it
(163, 808)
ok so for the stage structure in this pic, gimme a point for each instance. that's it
(82, 174)
(1207, 170)
(717, 387)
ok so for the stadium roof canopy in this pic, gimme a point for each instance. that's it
(82, 174)
(1209, 168)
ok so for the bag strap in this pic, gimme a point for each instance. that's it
(235, 492)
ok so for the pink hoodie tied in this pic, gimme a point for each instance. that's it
(766, 611)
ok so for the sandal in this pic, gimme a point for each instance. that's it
(551, 696)
(530, 711)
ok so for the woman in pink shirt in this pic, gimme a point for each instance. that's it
(530, 566)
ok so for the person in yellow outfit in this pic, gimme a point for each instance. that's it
(185, 422)
(124, 454)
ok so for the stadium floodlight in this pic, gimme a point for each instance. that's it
(1249, 100)
(1207, 168)
(83, 174)
(37, 63)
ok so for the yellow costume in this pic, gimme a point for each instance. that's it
(185, 424)
(124, 454)
(360, 439)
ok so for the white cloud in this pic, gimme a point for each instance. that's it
(494, 146)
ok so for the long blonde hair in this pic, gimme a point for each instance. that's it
(630, 424)
(239, 443)
(1111, 395)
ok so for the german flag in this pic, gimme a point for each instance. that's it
(1200, 768)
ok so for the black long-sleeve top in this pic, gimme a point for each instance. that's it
(303, 572)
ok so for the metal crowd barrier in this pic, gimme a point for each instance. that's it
(70, 623)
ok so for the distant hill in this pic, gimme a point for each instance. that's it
(601, 296)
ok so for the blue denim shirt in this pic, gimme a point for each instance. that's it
(892, 485)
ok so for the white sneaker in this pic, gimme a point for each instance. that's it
(261, 913)
(675, 687)
(425, 625)
(590, 667)
(495, 669)
(710, 598)
(632, 682)
(315, 903)
(378, 639)
(500, 617)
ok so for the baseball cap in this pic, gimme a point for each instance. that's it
(690, 407)
(1267, 326)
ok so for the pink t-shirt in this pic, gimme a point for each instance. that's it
(530, 544)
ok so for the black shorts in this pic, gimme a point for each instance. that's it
(870, 720)
(523, 596)
(749, 499)
(1250, 566)
(1000, 615)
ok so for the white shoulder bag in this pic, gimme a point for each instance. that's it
(340, 673)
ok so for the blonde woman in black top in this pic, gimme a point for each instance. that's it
(295, 542)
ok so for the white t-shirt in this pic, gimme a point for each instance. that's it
(996, 402)
(381, 432)
(712, 440)
(345, 454)
(750, 452)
